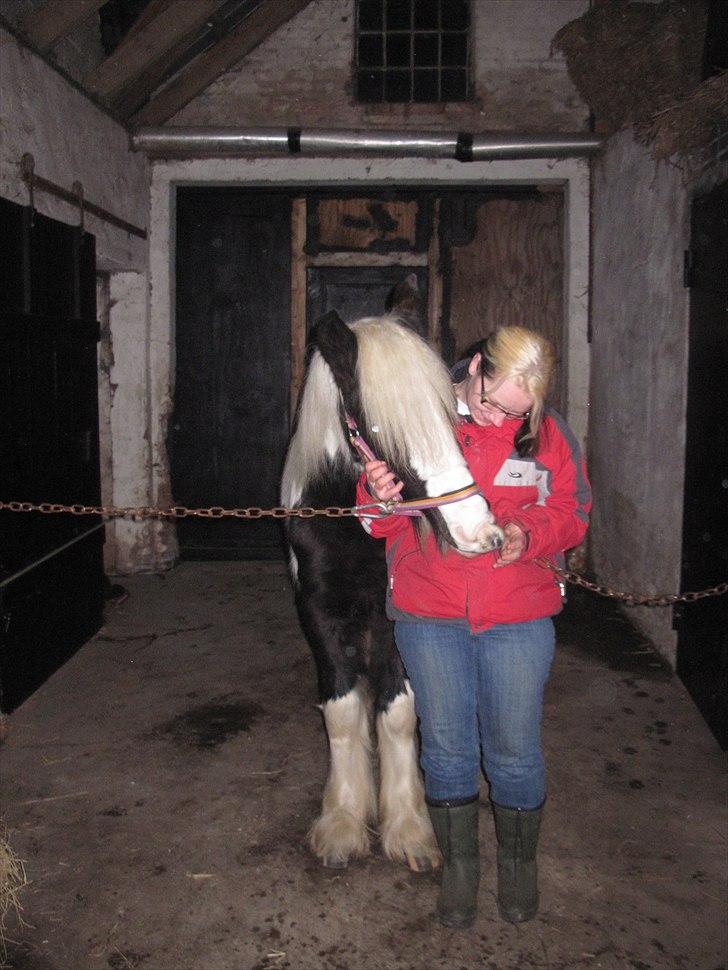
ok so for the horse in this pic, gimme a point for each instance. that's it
(380, 376)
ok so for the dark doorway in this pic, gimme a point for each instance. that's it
(356, 292)
(702, 657)
(51, 573)
(230, 425)
(256, 267)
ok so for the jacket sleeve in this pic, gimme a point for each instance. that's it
(380, 527)
(560, 520)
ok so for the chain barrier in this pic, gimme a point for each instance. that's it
(336, 512)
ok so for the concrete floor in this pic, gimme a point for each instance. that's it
(160, 786)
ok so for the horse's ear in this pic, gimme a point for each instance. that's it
(337, 344)
(405, 300)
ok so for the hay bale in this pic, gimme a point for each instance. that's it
(12, 881)
(691, 124)
(630, 61)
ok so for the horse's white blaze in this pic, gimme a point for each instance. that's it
(349, 801)
(470, 521)
(405, 827)
(407, 393)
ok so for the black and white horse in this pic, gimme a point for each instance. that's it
(384, 376)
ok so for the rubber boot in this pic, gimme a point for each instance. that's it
(517, 833)
(456, 831)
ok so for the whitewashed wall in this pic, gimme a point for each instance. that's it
(302, 76)
(73, 140)
(641, 218)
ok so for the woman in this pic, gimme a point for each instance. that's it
(475, 633)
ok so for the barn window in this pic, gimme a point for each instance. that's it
(412, 51)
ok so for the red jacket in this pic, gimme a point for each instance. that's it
(548, 496)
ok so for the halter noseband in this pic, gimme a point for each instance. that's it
(411, 507)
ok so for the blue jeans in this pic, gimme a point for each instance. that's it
(480, 692)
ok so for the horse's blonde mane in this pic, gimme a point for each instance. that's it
(319, 434)
(406, 395)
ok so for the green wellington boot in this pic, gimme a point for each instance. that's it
(456, 831)
(517, 833)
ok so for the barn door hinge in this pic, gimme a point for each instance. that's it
(688, 268)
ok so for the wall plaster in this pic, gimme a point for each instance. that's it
(640, 314)
(73, 140)
(302, 76)
(572, 174)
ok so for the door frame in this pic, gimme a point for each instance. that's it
(310, 174)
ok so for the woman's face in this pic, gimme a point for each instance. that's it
(494, 400)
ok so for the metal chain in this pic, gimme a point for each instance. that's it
(632, 599)
(334, 512)
(176, 511)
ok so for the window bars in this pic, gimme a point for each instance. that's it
(412, 51)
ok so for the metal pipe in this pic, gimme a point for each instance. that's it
(166, 142)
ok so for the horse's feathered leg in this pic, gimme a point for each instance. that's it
(349, 802)
(404, 824)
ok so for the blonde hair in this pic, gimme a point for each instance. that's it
(526, 358)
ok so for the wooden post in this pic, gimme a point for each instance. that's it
(434, 283)
(298, 299)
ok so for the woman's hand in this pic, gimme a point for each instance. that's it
(515, 544)
(380, 481)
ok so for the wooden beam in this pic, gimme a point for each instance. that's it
(434, 283)
(46, 26)
(143, 47)
(369, 259)
(298, 300)
(152, 10)
(203, 70)
(134, 95)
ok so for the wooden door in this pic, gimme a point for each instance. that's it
(503, 265)
(229, 429)
(51, 574)
(359, 291)
(702, 653)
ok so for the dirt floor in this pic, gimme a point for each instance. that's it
(159, 788)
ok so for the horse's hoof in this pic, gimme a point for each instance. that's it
(335, 862)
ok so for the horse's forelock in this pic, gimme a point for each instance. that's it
(406, 394)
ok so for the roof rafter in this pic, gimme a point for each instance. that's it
(150, 41)
(46, 26)
(134, 95)
(204, 69)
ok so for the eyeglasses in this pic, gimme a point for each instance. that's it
(511, 415)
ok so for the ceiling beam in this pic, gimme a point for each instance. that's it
(142, 47)
(134, 95)
(203, 70)
(45, 26)
(152, 10)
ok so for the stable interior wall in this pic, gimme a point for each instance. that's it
(302, 76)
(71, 139)
(640, 307)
